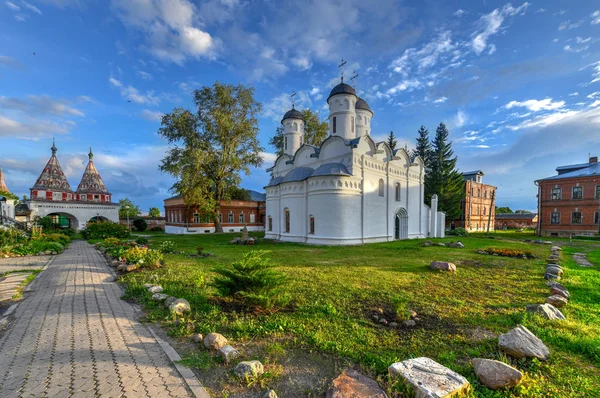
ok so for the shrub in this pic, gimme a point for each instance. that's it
(199, 250)
(140, 224)
(102, 230)
(55, 237)
(141, 240)
(509, 252)
(167, 247)
(11, 236)
(157, 228)
(109, 242)
(252, 278)
(135, 255)
(457, 232)
(153, 258)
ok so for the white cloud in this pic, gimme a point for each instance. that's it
(144, 75)
(567, 25)
(540, 10)
(580, 40)
(440, 100)
(492, 49)
(12, 6)
(491, 23)
(32, 128)
(132, 94)
(460, 119)
(596, 17)
(405, 85)
(459, 13)
(301, 62)
(115, 82)
(595, 71)
(594, 95)
(426, 57)
(595, 104)
(31, 7)
(575, 94)
(152, 115)
(536, 105)
(268, 159)
(315, 91)
(40, 105)
(279, 105)
(11, 62)
(575, 49)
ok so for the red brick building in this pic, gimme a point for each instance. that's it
(568, 203)
(235, 214)
(479, 205)
(516, 221)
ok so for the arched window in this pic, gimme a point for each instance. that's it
(352, 123)
(287, 220)
(334, 125)
(270, 223)
(285, 143)
(397, 192)
(311, 225)
(381, 187)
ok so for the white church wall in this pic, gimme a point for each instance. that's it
(303, 156)
(332, 148)
(78, 213)
(273, 211)
(292, 199)
(375, 216)
(342, 107)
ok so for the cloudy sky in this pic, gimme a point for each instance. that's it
(518, 84)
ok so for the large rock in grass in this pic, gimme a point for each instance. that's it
(228, 353)
(521, 343)
(352, 384)
(155, 289)
(495, 374)
(555, 284)
(180, 307)
(556, 248)
(443, 266)
(551, 277)
(547, 311)
(557, 301)
(159, 296)
(560, 292)
(170, 300)
(214, 341)
(249, 369)
(428, 378)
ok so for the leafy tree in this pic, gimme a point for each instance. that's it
(443, 179)
(522, 212)
(392, 142)
(127, 207)
(315, 131)
(140, 224)
(154, 212)
(503, 210)
(237, 193)
(211, 147)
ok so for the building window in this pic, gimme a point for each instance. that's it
(596, 216)
(352, 123)
(312, 225)
(478, 193)
(334, 125)
(556, 194)
(576, 217)
(397, 192)
(577, 192)
(230, 218)
(241, 218)
(196, 218)
(252, 218)
(597, 191)
(285, 143)
(220, 218)
(485, 194)
(484, 214)
(555, 217)
(381, 187)
(287, 220)
(270, 223)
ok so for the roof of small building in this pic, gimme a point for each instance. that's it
(22, 209)
(256, 196)
(293, 114)
(52, 177)
(342, 88)
(470, 173)
(362, 104)
(298, 174)
(91, 182)
(590, 170)
(509, 216)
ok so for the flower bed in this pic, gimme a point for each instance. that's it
(527, 254)
(131, 253)
(14, 243)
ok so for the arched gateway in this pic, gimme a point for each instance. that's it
(401, 224)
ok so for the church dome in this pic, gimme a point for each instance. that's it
(362, 104)
(293, 114)
(342, 88)
(331, 169)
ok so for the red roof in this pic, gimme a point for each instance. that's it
(52, 177)
(91, 182)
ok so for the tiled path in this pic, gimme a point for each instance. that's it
(10, 283)
(23, 263)
(72, 336)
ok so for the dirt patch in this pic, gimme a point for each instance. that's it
(478, 333)
(473, 263)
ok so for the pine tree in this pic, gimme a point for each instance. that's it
(392, 141)
(444, 179)
(423, 148)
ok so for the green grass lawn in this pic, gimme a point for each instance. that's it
(332, 293)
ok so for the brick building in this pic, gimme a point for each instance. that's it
(568, 203)
(235, 214)
(516, 221)
(478, 206)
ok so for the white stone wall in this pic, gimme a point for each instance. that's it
(78, 213)
(342, 107)
(169, 229)
(8, 208)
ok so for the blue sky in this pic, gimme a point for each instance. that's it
(518, 84)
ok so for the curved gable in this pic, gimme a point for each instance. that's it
(366, 145)
(403, 157)
(332, 147)
(303, 155)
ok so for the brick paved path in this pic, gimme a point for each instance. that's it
(23, 263)
(73, 337)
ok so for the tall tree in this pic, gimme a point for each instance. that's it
(213, 146)
(423, 148)
(503, 210)
(154, 212)
(444, 180)
(127, 207)
(315, 131)
(392, 142)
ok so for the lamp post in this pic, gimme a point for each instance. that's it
(127, 210)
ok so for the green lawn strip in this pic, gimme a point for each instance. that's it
(333, 292)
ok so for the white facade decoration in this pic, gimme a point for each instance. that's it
(349, 190)
(78, 213)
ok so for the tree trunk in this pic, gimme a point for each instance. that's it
(218, 226)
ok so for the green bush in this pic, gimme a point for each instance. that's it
(11, 236)
(36, 246)
(167, 246)
(153, 259)
(56, 237)
(252, 278)
(103, 230)
(157, 229)
(140, 224)
(457, 232)
(141, 240)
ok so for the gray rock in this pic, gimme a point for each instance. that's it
(148, 285)
(383, 321)
(410, 323)
(159, 296)
(198, 338)
(130, 267)
(556, 248)
(248, 369)
(179, 307)
(560, 292)
(443, 265)
(495, 374)
(270, 394)
(353, 384)
(155, 289)
(556, 285)
(441, 244)
(521, 343)
(214, 341)
(547, 311)
(169, 300)
(428, 378)
(551, 277)
(228, 353)
(557, 301)
(393, 325)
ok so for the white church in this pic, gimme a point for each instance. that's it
(349, 190)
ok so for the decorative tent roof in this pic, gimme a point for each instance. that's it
(52, 177)
(3, 187)
(362, 104)
(293, 114)
(91, 182)
(342, 88)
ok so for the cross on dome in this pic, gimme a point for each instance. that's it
(341, 65)
(53, 149)
(354, 78)
(293, 95)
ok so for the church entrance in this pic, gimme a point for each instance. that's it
(401, 224)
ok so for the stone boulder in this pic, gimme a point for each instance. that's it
(270, 394)
(521, 343)
(148, 285)
(495, 374)
(426, 243)
(547, 311)
(456, 245)
(198, 338)
(556, 285)
(159, 296)
(551, 277)
(179, 307)
(558, 248)
(214, 341)
(155, 289)
(248, 369)
(169, 300)
(560, 292)
(228, 353)
(428, 378)
(353, 384)
(557, 301)
(443, 266)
